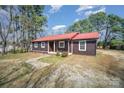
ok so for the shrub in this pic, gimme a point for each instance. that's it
(64, 54)
(22, 51)
(117, 44)
(58, 54)
(100, 43)
(13, 51)
(17, 51)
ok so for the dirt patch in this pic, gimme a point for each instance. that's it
(118, 55)
(36, 63)
(102, 70)
(65, 75)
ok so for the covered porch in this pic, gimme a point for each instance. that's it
(60, 46)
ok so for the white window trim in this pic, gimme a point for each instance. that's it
(63, 44)
(35, 46)
(79, 45)
(42, 44)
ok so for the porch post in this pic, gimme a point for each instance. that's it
(48, 46)
(68, 47)
(54, 46)
(72, 47)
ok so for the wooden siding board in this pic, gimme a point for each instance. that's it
(39, 47)
(90, 47)
(61, 49)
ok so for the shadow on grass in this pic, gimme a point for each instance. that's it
(15, 75)
(117, 71)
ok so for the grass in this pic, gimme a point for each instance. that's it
(101, 70)
(52, 59)
(76, 58)
(21, 56)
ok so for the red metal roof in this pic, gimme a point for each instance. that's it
(75, 35)
(57, 37)
(90, 35)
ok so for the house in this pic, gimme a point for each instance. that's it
(73, 43)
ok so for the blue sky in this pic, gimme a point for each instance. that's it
(60, 17)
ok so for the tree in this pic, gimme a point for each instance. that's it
(98, 22)
(5, 27)
(32, 21)
(23, 24)
(113, 24)
(81, 26)
(108, 26)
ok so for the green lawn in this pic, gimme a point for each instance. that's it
(52, 59)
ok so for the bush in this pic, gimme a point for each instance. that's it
(58, 54)
(117, 44)
(100, 43)
(64, 54)
(22, 51)
(17, 51)
(13, 51)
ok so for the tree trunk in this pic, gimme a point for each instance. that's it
(4, 47)
(106, 37)
(13, 44)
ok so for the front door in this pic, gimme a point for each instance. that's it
(51, 46)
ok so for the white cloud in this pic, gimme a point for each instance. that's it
(83, 8)
(57, 27)
(90, 9)
(77, 19)
(87, 13)
(55, 8)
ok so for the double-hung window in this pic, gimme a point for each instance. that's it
(36, 45)
(82, 45)
(42, 44)
(61, 44)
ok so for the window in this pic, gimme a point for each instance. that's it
(82, 45)
(35, 45)
(61, 44)
(42, 44)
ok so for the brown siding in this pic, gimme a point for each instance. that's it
(39, 47)
(61, 49)
(90, 47)
(56, 46)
